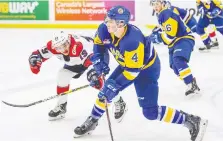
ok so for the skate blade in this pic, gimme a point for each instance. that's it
(119, 120)
(86, 134)
(196, 92)
(57, 118)
(203, 126)
(194, 96)
(204, 51)
(217, 47)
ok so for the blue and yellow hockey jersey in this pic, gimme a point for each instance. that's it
(132, 51)
(173, 27)
(208, 7)
(184, 14)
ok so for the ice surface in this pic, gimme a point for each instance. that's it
(18, 85)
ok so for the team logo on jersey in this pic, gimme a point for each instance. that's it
(74, 50)
(106, 41)
(120, 11)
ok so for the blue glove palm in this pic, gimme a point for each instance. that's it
(110, 90)
(99, 65)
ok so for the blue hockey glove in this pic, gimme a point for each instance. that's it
(215, 12)
(110, 90)
(99, 65)
(156, 38)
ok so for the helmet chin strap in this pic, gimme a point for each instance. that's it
(118, 28)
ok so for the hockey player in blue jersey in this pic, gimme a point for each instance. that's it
(180, 43)
(185, 15)
(139, 64)
(210, 13)
(191, 22)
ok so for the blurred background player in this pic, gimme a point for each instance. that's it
(210, 13)
(180, 43)
(138, 64)
(185, 15)
(211, 31)
(191, 22)
(75, 52)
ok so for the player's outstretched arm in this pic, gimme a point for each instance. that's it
(37, 58)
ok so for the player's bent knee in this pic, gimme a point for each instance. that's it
(150, 113)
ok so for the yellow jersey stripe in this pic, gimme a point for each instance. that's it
(177, 39)
(129, 75)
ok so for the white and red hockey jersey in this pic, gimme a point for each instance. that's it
(81, 48)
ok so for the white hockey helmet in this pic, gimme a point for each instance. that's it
(59, 39)
(152, 2)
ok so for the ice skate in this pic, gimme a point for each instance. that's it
(58, 112)
(196, 126)
(86, 128)
(215, 45)
(192, 88)
(120, 108)
(207, 47)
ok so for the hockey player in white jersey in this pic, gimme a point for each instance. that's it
(75, 52)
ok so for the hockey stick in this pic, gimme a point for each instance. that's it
(108, 119)
(46, 99)
(220, 16)
(107, 113)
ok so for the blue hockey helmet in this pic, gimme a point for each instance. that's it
(119, 13)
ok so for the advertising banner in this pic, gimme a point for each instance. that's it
(88, 10)
(24, 10)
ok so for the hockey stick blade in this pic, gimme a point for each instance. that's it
(46, 99)
(14, 105)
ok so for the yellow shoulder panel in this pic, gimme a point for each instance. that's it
(176, 11)
(98, 41)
